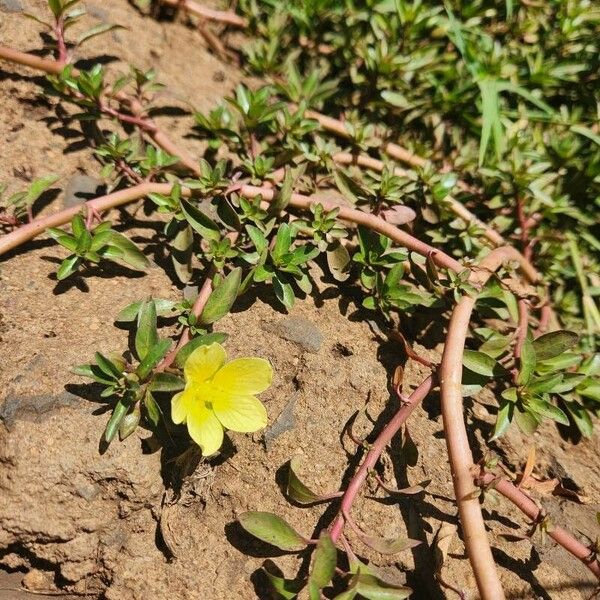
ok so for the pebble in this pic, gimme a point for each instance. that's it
(301, 331)
(11, 6)
(81, 188)
(284, 422)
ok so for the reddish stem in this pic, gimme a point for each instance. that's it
(522, 326)
(459, 452)
(186, 335)
(374, 453)
(221, 16)
(530, 508)
(55, 68)
(59, 32)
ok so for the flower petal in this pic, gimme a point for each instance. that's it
(181, 404)
(205, 429)
(239, 412)
(204, 362)
(244, 376)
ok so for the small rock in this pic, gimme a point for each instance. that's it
(81, 188)
(11, 6)
(36, 580)
(33, 408)
(98, 12)
(190, 292)
(284, 422)
(301, 331)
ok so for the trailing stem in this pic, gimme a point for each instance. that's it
(137, 117)
(384, 438)
(525, 504)
(328, 123)
(227, 17)
(459, 452)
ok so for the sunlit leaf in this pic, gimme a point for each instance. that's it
(272, 529)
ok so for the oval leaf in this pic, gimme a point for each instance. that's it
(296, 490)
(273, 530)
(481, 363)
(554, 343)
(385, 546)
(203, 224)
(324, 562)
(146, 336)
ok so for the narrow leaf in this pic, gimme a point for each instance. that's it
(146, 336)
(203, 224)
(222, 298)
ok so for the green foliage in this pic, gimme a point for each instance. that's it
(67, 13)
(19, 205)
(95, 245)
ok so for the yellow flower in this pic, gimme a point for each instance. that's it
(221, 396)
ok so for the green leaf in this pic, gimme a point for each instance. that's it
(553, 344)
(541, 385)
(386, 546)
(129, 423)
(108, 367)
(152, 357)
(558, 363)
(83, 370)
(284, 292)
(547, 409)
(67, 267)
(164, 308)
(152, 409)
(98, 30)
(78, 226)
(586, 132)
(283, 195)
(346, 185)
(114, 422)
(203, 340)
(491, 127)
(527, 421)
(481, 363)
(166, 382)
(56, 7)
(146, 336)
(285, 588)
(591, 391)
(338, 260)
(324, 562)
(373, 588)
(296, 490)
(182, 251)
(527, 361)
(396, 99)
(132, 255)
(221, 300)
(503, 419)
(203, 224)
(273, 530)
(283, 241)
(581, 418)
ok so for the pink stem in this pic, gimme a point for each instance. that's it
(374, 453)
(59, 32)
(221, 16)
(158, 136)
(459, 452)
(529, 507)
